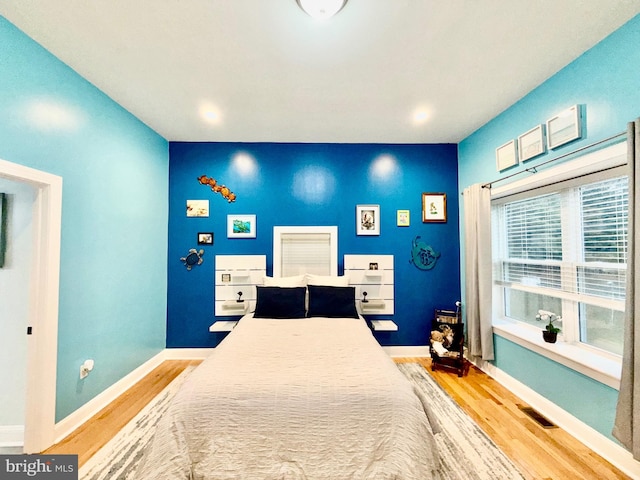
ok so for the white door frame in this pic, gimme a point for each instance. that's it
(42, 344)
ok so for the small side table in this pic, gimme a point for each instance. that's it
(223, 326)
(384, 326)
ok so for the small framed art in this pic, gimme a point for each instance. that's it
(205, 238)
(368, 219)
(197, 208)
(531, 143)
(402, 218)
(564, 127)
(241, 226)
(434, 207)
(506, 156)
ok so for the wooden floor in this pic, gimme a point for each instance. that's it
(539, 453)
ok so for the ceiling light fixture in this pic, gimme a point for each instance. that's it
(321, 9)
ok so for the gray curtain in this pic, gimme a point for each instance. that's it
(627, 424)
(478, 275)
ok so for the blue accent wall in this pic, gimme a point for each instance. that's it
(604, 80)
(113, 274)
(312, 184)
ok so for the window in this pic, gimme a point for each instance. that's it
(299, 250)
(563, 248)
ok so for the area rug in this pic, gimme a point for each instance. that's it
(466, 453)
(120, 457)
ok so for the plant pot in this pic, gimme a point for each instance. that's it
(549, 337)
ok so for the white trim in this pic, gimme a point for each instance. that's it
(597, 442)
(600, 366)
(187, 353)
(277, 245)
(42, 345)
(11, 436)
(412, 351)
(610, 157)
(74, 420)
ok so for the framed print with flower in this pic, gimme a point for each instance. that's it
(241, 226)
(434, 207)
(368, 219)
(402, 218)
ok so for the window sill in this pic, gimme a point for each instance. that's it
(591, 363)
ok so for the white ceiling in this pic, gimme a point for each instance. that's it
(271, 73)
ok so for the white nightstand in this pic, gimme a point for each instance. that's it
(384, 326)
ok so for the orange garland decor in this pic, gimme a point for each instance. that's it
(221, 189)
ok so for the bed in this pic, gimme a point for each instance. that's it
(289, 396)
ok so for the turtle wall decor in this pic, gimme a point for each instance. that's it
(193, 258)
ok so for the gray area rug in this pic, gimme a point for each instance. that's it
(466, 453)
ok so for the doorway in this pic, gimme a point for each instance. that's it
(42, 311)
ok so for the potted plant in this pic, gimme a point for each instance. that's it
(550, 332)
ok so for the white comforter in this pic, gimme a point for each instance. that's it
(295, 399)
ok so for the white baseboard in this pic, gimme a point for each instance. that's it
(187, 353)
(602, 445)
(11, 435)
(71, 422)
(415, 351)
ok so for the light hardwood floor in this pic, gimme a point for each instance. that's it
(539, 453)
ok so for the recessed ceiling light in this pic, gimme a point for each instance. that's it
(321, 9)
(420, 116)
(210, 113)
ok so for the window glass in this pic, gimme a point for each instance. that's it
(602, 327)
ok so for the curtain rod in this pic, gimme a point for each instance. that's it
(534, 168)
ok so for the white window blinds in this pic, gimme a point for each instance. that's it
(305, 253)
(572, 241)
(300, 250)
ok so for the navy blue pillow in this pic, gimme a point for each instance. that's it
(332, 302)
(279, 302)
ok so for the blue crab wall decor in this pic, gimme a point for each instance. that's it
(423, 256)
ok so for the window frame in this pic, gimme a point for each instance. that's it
(601, 365)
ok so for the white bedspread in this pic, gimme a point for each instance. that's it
(310, 399)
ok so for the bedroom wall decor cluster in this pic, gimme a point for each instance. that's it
(560, 129)
(310, 184)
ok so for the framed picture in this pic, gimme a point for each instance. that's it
(241, 226)
(197, 208)
(564, 127)
(531, 143)
(368, 219)
(402, 219)
(506, 156)
(3, 227)
(205, 238)
(434, 207)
